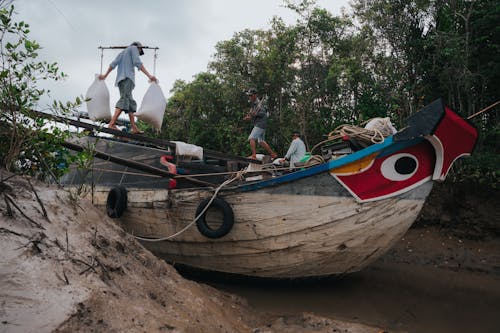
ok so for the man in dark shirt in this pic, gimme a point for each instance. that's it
(258, 114)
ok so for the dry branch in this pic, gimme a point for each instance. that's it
(9, 199)
(39, 201)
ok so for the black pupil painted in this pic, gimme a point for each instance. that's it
(405, 165)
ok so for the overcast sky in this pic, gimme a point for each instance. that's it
(186, 32)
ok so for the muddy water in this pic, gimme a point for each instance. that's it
(395, 297)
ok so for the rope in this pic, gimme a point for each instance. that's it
(154, 62)
(359, 133)
(227, 182)
(315, 160)
(124, 172)
(207, 174)
(363, 134)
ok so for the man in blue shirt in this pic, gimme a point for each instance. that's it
(125, 81)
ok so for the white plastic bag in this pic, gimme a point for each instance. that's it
(152, 106)
(98, 103)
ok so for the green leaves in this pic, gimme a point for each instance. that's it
(28, 144)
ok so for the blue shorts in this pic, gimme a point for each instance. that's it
(257, 134)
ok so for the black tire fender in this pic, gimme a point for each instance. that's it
(116, 203)
(227, 223)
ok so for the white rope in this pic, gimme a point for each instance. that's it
(359, 133)
(227, 182)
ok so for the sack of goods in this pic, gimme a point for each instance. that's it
(152, 106)
(97, 99)
(382, 125)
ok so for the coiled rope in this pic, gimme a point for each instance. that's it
(362, 135)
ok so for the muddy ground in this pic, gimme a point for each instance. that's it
(442, 276)
(66, 267)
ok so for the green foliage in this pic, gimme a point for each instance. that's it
(202, 113)
(46, 155)
(28, 144)
(325, 71)
(482, 167)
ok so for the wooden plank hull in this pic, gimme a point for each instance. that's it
(311, 227)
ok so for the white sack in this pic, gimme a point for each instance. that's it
(98, 103)
(152, 106)
(187, 149)
(383, 125)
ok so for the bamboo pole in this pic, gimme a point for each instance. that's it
(484, 110)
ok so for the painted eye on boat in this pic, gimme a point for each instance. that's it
(399, 167)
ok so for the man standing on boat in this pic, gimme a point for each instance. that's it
(125, 81)
(258, 114)
(296, 151)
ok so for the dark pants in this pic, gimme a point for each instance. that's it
(126, 102)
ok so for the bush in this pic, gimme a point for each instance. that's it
(28, 144)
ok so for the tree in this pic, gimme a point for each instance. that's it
(440, 48)
(27, 144)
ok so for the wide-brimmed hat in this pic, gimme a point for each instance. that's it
(139, 46)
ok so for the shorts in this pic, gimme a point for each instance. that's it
(257, 134)
(126, 102)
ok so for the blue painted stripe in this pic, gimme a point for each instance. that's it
(399, 145)
(320, 168)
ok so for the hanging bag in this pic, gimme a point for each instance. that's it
(152, 106)
(97, 100)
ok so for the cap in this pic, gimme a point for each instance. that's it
(297, 133)
(139, 46)
(251, 91)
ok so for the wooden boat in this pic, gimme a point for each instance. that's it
(330, 218)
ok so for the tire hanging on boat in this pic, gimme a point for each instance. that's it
(227, 223)
(116, 203)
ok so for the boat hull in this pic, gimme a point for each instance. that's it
(310, 227)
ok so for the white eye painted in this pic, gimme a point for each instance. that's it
(399, 167)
